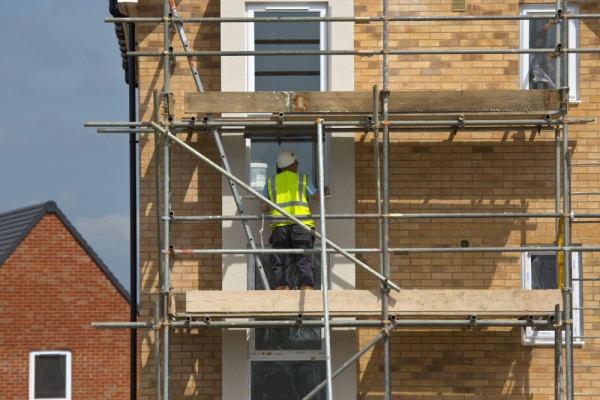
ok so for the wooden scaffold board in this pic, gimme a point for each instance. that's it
(364, 303)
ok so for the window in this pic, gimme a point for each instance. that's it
(538, 272)
(262, 152)
(535, 72)
(285, 363)
(289, 72)
(50, 375)
(285, 73)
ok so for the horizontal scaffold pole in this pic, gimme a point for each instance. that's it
(242, 184)
(363, 53)
(336, 323)
(396, 251)
(392, 217)
(357, 20)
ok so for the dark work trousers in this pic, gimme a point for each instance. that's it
(293, 237)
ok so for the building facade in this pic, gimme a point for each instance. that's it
(507, 170)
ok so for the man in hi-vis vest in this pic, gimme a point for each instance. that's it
(291, 192)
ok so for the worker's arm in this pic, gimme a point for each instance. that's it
(264, 207)
(317, 195)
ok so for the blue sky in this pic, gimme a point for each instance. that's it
(62, 67)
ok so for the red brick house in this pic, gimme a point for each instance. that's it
(52, 287)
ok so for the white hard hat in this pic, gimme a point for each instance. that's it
(285, 158)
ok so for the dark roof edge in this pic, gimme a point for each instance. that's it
(42, 210)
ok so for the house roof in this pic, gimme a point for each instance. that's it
(15, 226)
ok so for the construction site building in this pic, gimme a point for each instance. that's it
(461, 149)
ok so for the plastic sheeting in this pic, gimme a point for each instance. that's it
(286, 380)
(541, 70)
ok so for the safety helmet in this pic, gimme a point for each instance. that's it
(285, 158)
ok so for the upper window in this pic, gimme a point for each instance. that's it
(286, 72)
(539, 271)
(538, 71)
(50, 375)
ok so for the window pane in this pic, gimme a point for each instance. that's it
(50, 377)
(282, 380)
(287, 72)
(543, 272)
(541, 71)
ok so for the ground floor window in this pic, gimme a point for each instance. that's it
(276, 380)
(50, 375)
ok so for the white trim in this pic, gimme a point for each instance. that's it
(32, 359)
(526, 9)
(530, 337)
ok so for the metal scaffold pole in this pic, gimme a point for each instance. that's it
(166, 289)
(324, 263)
(387, 343)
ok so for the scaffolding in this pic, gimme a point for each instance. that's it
(376, 121)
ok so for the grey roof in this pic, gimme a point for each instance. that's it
(15, 226)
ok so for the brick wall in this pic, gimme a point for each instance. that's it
(195, 190)
(470, 172)
(50, 293)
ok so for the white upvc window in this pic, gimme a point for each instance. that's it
(50, 375)
(539, 271)
(535, 70)
(285, 73)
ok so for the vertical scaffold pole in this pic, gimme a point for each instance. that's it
(167, 204)
(558, 370)
(567, 283)
(387, 358)
(324, 263)
(377, 159)
(157, 349)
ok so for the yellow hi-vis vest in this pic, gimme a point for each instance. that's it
(288, 190)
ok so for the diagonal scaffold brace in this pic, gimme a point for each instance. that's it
(232, 185)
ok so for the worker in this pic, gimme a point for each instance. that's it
(291, 191)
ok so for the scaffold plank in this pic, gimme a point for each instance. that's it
(364, 303)
(403, 101)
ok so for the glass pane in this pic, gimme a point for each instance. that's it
(287, 73)
(283, 380)
(541, 71)
(50, 377)
(543, 272)
(264, 154)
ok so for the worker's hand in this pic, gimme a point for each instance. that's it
(326, 190)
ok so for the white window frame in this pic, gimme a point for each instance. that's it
(254, 8)
(573, 58)
(32, 359)
(531, 337)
